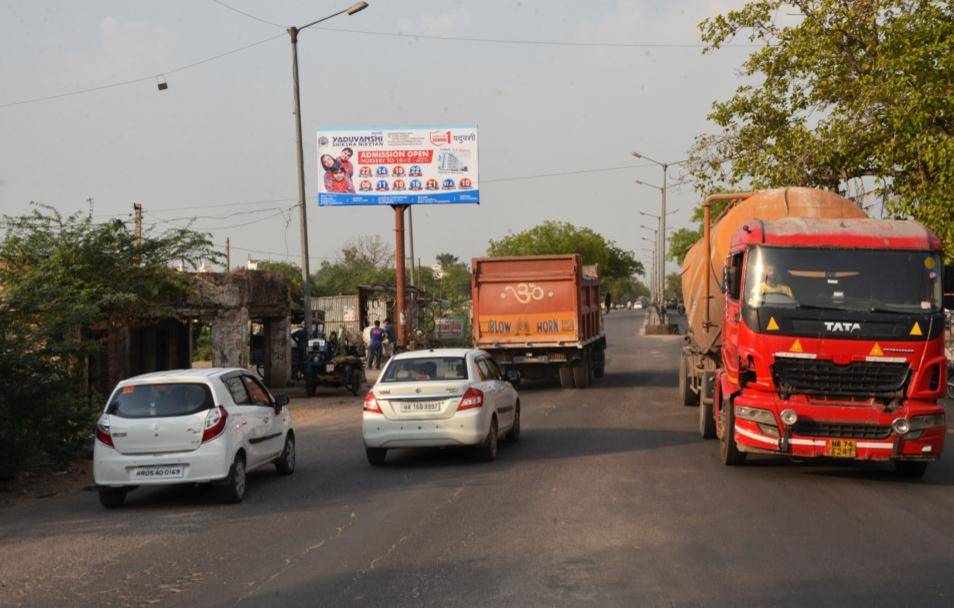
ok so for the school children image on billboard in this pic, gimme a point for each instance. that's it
(398, 166)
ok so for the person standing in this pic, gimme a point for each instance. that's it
(388, 328)
(377, 340)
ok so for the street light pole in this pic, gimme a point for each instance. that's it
(302, 210)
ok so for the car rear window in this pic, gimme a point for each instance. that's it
(426, 369)
(160, 400)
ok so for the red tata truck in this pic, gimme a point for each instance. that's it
(822, 335)
(541, 316)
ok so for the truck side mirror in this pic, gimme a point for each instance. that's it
(949, 287)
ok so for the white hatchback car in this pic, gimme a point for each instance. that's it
(440, 398)
(190, 426)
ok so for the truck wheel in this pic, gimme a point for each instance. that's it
(685, 392)
(589, 365)
(912, 469)
(580, 375)
(600, 368)
(707, 425)
(566, 377)
(728, 450)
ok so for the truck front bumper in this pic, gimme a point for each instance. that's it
(854, 438)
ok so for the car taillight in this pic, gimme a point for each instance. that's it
(102, 432)
(472, 398)
(214, 423)
(371, 404)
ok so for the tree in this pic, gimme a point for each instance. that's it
(854, 92)
(673, 289)
(562, 237)
(63, 279)
(365, 260)
(293, 273)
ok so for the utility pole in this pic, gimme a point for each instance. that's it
(410, 233)
(228, 256)
(399, 263)
(137, 210)
(305, 270)
(89, 201)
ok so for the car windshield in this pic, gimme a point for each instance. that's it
(160, 400)
(426, 369)
(843, 279)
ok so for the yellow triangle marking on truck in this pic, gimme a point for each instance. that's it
(772, 325)
(876, 351)
(796, 347)
(916, 330)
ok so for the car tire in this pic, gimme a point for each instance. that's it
(234, 489)
(488, 448)
(112, 498)
(376, 456)
(912, 469)
(513, 435)
(285, 465)
(566, 377)
(728, 450)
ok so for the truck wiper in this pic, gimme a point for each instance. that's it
(893, 311)
(818, 307)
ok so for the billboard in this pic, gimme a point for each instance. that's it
(398, 166)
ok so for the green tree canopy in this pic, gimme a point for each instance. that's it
(562, 237)
(365, 260)
(848, 94)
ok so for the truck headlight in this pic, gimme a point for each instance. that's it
(917, 423)
(755, 414)
(789, 417)
(901, 426)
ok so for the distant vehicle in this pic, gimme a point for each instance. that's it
(190, 426)
(638, 306)
(443, 397)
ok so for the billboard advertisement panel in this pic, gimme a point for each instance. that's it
(430, 165)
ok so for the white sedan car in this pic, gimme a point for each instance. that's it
(190, 426)
(440, 398)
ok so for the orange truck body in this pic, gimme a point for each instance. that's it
(540, 314)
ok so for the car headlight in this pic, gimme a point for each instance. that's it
(755, 414)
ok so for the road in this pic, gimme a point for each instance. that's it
(609, 499)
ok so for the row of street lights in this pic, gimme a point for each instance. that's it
(659, 257)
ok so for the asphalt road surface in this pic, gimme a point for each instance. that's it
(609, 499)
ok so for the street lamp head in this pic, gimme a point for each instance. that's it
(637, 155)
(357, 8)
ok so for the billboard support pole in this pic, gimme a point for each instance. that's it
(410, 238)
(399, 265)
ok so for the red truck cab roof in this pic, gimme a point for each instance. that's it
(843, 233)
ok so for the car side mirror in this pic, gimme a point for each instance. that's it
(280, 401)
(513, 377)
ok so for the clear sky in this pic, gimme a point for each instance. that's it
(222, 135)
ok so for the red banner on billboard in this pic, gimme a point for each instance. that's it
(394, 157)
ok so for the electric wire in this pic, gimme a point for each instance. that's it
(249, 15)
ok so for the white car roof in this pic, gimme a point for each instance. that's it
(437, 352)
(180, 375)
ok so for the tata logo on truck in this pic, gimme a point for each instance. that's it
(844, 327)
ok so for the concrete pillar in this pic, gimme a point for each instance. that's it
(277, 352)
(230, 338)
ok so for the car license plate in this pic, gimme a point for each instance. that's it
(421, 406)
(169, 471)
(842, 448)
(330, 368)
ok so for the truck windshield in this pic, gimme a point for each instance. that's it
(844, 279)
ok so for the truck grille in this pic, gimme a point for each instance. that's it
(820, 378)
(809, 428)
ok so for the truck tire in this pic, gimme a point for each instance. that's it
(707, 424)
(590, 362)
(566, 377)
(728, 450)
(685, 392)
(599, 368)
(581, 376)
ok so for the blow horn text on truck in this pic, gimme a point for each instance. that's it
(815, 331)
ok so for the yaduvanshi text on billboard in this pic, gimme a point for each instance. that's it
(431, 165)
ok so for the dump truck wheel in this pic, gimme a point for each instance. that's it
(685, 393)
(566, 377)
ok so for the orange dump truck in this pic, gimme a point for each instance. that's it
(541, 316)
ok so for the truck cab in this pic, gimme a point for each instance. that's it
(832, 342)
